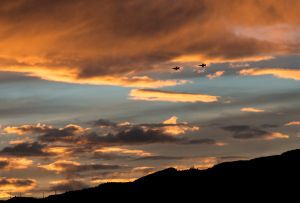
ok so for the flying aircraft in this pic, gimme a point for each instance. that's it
(176, 68)
(202, 65)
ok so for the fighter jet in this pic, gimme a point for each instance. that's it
(202, 65)
(176, 68)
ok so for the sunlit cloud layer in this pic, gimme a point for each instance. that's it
(98, 45)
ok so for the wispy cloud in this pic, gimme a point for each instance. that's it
(66, 166)
(168, 96)
(252, 110)
(215, 75)
(122, 151)
(277, 72)
(292, 123)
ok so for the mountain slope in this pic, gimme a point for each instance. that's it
(266, 178)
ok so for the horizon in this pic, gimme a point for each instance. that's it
(89, 93)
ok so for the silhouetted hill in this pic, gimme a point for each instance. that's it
(267, 178)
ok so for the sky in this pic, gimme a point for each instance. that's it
(88, 93)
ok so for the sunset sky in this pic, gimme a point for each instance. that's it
(88, 93)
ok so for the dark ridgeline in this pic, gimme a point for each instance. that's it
(264, 179)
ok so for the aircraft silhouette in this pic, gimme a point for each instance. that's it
(176, 68)
(202, 65)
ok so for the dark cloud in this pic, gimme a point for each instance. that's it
(68, 185)
(69, 168)
(25, 149)
(111, 135)
(16, 182)
(250, 132)
(106, 156)
(232, 158)
(73, 168)
(47, 133)
(135, 135)
(159, 158)
(132, 134)
(67, 133)
(144, 134)
(90, 167)
(104, 122)
(202, 141)
(237, 128)
(266, 125)
(4, 164)
(245, 131)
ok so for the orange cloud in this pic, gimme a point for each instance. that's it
(292, 123)
(177, 128)
(47, 132)
(276, 135)
(71, 75)
(23, 129)
(220, 144)
(199, 163)
(60, 165)
(14, 185)
(68, 185)
(277, 72)
(197, 58)
(66, 166)
(107, 48)
(167, 96)
(215, 75)
(58, 150)
(9, 163)
(127, 176)
(251, 109)
(112, 180)
(172, 120)
(20, 141)
(119, 150)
